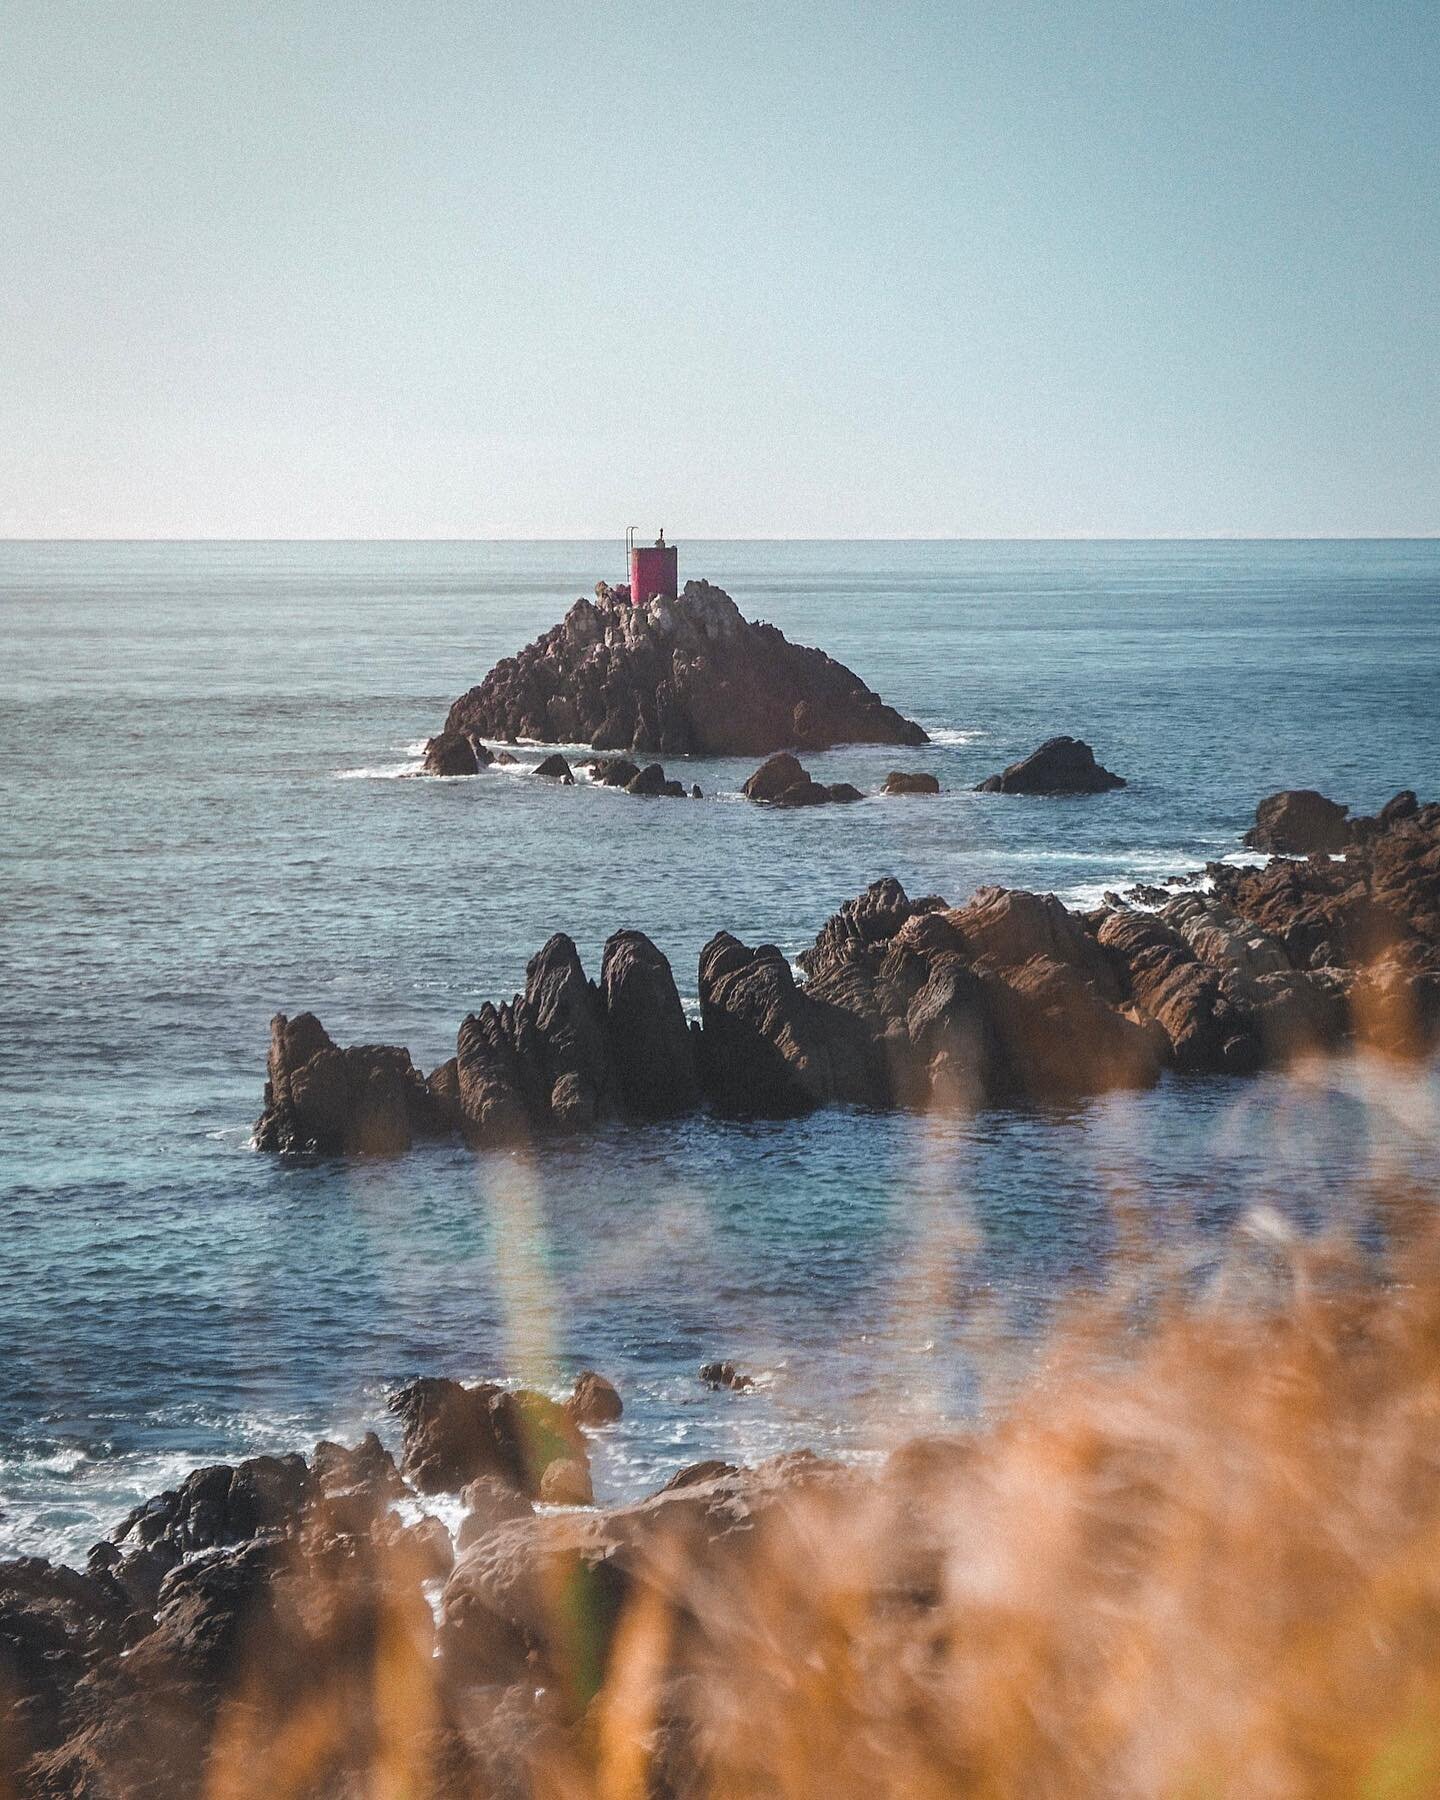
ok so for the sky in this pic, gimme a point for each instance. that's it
(792, 268)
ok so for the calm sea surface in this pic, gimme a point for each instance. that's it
(201, 824)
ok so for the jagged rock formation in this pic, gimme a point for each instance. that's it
(650, 1045)
(367, 1099)
(284, 1589)
(1062, 765)
(915, 1003)
(679, 677)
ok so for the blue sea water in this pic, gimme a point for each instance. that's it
(202, 823)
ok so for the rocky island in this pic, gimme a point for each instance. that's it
(685, 677)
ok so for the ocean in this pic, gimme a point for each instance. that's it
(204, 822)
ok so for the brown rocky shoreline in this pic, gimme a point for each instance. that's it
(914, 1003)
(1174, 1529)
(252, 1590)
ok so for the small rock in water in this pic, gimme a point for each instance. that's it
(719, 1375)
(774, 776)
(555, 768)
(652, 783)
(454, 753)
(781, 781)
(901, 781)
(1062, 765)
(595, 1400)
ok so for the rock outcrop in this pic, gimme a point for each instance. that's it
(1062, 765)
(594, 1400)
(369, 1099)
(455, 1435)
(781, 781)
(915, 1003)
(679, 677)
(1299, 822)
(901, 781)
(455, 753)
(650, 1045)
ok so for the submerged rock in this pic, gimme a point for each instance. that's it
(719, 1375)
(689, 676)
(1062, 765)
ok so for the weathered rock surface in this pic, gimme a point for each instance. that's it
(650, 1045)
(594, 1400)
(299, 1595)
(681, 677)
(915, 1003)
(900, 781)
(768, 1047)
(368, 1099)
(1299, 822)
(456, 1435)
(1062, 765)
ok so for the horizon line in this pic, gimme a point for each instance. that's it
(1246, 537)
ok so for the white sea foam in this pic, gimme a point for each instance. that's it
(952, 735)
(388, 772)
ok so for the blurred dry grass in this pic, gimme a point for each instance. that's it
(1212, 1570)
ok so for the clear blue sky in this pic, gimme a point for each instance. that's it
(423, 268)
